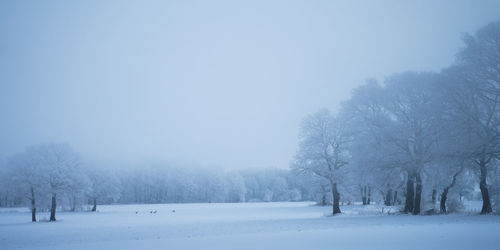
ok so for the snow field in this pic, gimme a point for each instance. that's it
(280, 225)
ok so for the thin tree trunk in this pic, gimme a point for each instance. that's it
(368, 201)
(73, 204)
(395, 198)
(323, 195)
(388, 198)
(418, 195)
(363, 194)
(434, 194)
(33, 205)
(53, 208)
(410, 196)
(484, 189)
(94, 208)
(444, 195)
(336, 199)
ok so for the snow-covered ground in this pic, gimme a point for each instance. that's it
(282, 225)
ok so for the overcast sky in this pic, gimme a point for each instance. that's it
(213, 83)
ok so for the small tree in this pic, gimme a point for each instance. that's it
(323, 151)
(27, 172)
(59, 167)
(103, 186)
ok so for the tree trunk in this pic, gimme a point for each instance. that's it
(73, 203)
(444, 195)
(418, 195)
(442, 205)
(369, 196)
(363, 194)
(410, 196)
(388, 198)
(396, 198)
(94, 208)
(53, 208)
(434, 193)
(336, 199)
(33, 205)
(323, 195)
(484, 189)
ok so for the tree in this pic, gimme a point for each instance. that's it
(495, 187)
(401, 119)
(323, 150)
(59, 165)
(27, 171)
(372, 163)
(474, 82)
(104, 186)
(413, 129)
(235, 187)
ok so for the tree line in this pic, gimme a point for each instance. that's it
(415, 137)
(53, 177)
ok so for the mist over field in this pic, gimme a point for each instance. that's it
(249, 124)
(215, 83)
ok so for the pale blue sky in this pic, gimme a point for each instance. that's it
(218, 83)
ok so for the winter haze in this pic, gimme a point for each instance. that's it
(213, 83)
(249, 125)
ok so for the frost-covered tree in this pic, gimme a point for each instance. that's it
(372, 160)
(104, 186)
(312, 186)
(235, 188)
(212, 183)
(412, 130)
(27, 173)
(78, 186)
(399, 122)
(495, 187)
(474, 85)
(323, 150)
(46, 169)
(59, 165)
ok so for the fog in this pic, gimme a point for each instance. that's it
(219, 83)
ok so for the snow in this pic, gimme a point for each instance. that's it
(279, 225)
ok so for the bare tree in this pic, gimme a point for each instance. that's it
(59, 163)
(474, 84)
(323, 150)
(399, 119)
(104, 186)
(27, 171)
